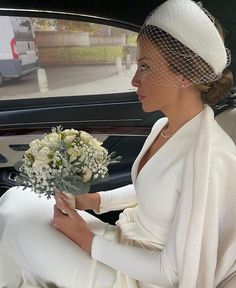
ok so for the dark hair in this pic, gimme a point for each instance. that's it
(169, 47)
(217, 89)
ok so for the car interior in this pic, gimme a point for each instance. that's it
(110, 109)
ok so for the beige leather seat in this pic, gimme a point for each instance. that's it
(229, 282)
(227, 121)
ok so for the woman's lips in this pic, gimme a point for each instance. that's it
(141, 97)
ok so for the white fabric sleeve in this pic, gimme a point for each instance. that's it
(138, 263)
(117, 199)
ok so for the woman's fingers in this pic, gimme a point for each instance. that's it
(56, 216)
(73, 226)
(65, 207)
(57, 212)
(61, 195)
(61, 214)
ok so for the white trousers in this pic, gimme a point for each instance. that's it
(32, 250)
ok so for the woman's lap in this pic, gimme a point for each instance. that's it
(43, 252)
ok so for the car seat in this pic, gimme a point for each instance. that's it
(227, 121)
(229, 282)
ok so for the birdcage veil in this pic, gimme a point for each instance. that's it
(179, 45)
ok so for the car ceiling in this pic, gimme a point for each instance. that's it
(132, 12)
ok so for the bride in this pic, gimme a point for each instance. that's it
(178, 224)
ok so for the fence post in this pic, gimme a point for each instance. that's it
(42, 80)
(70, 55)
(118, 66)
(128, 62)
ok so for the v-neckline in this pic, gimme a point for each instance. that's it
(147, 156)
(160, 150)
(143, 152)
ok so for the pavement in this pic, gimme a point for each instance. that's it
(121, 82)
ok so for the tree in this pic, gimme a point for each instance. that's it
(62, 25)
(72, 26)
(43, 24)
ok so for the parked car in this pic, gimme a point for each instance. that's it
(18, 51)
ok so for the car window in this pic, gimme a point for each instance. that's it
(42, 57)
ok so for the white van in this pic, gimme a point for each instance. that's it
(18, 51)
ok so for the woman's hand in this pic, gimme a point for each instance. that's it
(72, 224)
(84, 201)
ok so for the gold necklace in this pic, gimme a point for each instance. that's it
(166, 135)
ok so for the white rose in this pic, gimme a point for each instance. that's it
(52, 137)
(87, 174)
(90, 140)
(74, 153)
(35, 145)
(96, 144)
(38, 165)
(70, 132)
(43, 155)
(85, 136)
(69, 139)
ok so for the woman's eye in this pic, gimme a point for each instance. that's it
(144, 67)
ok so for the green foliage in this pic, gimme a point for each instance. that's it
(18, 165)
(95, 54)
(132, 39)
(114, 158)
(72, 184)
(73, 26)
(61, 25)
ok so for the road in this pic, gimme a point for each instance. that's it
(58, 77)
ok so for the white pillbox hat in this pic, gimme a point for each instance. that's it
(186, 21)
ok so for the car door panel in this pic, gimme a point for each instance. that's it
(117, 121)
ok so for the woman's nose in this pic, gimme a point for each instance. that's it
(135, 81)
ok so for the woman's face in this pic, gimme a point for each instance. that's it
(153, 78)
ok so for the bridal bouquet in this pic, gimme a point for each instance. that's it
(65, 160)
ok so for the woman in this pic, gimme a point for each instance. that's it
(178, 228)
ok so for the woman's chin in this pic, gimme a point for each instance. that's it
(147, 108)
